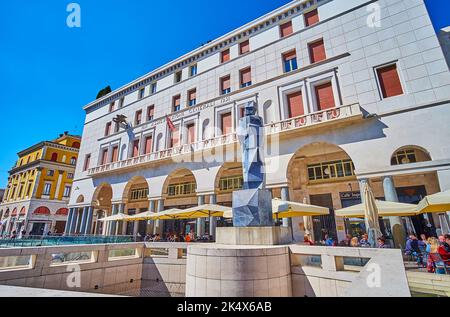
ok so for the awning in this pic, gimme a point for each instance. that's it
(439, 203)
(118, 217)
(203, 211)
(288, 209)
(385, 209)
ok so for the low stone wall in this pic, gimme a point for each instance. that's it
(179, 269)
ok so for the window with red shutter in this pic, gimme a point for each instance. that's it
(150, 113)
(87, 162)
(311, 17)
(149, 144)
(317, 51)
(389, 81)
(225, 85)
(138, 118)
(108, 129)
(325, 96)
(244, 47)
(176, 103)
(225, 56)
(286, 29)
(246, 77)
(226, 123)
(136, 148)
(115, 154)
(192, 97)
(175, 138)
(295, 104)
(105, 157)
(191, 133)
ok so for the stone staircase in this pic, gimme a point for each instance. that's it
(427, 284)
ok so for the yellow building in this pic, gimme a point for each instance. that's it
(39, 187)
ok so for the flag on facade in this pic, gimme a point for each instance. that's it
(170, 124)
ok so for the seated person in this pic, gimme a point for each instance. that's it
(412, 245)
(444, 249)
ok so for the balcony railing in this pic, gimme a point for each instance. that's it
(185, 149)
(310, 120)
(316, 118)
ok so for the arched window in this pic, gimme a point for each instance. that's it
(76, 145)
(54, 157)
(42, 211)
(62, 212)
(23, 211)
(410, 155)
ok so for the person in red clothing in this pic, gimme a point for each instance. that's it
(307, 240)
(444, 249)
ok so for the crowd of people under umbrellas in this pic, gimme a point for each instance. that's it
(428, 252)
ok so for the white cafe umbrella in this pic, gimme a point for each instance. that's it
(371, 216)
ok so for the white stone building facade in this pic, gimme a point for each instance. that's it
(367, 99)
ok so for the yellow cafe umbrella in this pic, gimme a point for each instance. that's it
(203, 211)
(439, 202)
(385, 209)
(118, 217)
(170, 214)
(142, 216)
(288, 209)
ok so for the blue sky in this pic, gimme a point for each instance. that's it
(48, 71)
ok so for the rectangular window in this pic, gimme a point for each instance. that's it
(244, 47)
(286, 29)
(176, 103)
(141, 93)
(175, 137)
(295, 104)
(225, 56)
(108, 129)
(116, 127)
(47, 189)
(331, 170)
(325, 96)
(139, 194)
(121, 102)
(51, 173)
(104, 157)
(193, 70)
(191, 133)
(178, 76)
(246, 77)
(67, 191)
(226, 125)
(153, 88)
(111, 107)
(150, 113)
(192, 97)
(69, 175)
(115, 154)
(225, 85)
(311, 17)
(317, 51)
(135, 148)
(182, 189)
(290, 61)
(148, 144)
(138, 117)
(87, 162)
(389, 81)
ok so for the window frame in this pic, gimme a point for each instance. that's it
(400, 77)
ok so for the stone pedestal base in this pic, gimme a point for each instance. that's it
(237, 271)
(254, 236)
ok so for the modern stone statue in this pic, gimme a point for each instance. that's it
(252, 206)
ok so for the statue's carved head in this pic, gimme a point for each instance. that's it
(250, 108)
